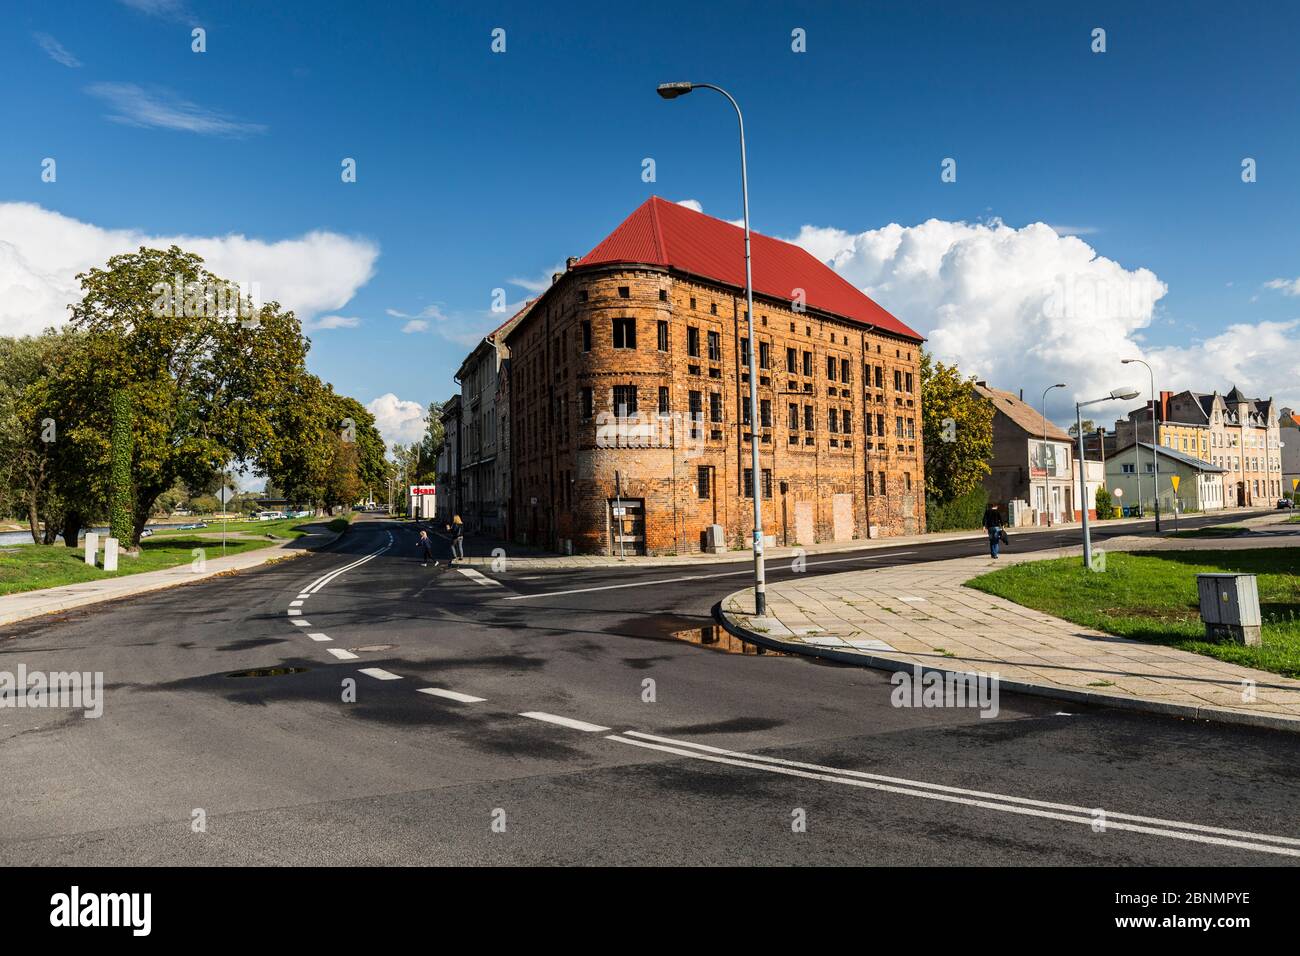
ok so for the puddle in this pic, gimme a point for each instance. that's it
(268, 672)
(717, 638)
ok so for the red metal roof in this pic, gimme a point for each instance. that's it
(663, 233)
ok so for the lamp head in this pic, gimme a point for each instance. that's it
(1125, 393)
(671, 91)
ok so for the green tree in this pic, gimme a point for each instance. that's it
(957, 427)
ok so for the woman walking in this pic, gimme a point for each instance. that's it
(993, 525)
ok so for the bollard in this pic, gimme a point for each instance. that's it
(92, 547)
(110, 554)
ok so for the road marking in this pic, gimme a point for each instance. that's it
(304, 596)
(1024, 806)
(295, 604)
(378, 673)
(341, 654)
(693, 577)
(478, 578)
(319, 637)
(301, 622)
(450, 695)
(325, 579)
(293, 612)
(564, 722)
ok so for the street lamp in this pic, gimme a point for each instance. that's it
(1155, 442)
(1117, 395)
(1046, 490)
(671, 91)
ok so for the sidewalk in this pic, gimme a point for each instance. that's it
(29, 604)
(479, 548)
(895, 618)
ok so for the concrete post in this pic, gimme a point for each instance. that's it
(92, 547)
(110, 554)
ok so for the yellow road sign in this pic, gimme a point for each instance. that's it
(1173, 479)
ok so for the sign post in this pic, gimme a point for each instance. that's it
(1173, 480)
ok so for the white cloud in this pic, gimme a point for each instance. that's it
(41, 253)
(1028, 307)
(168, 9)
(540, 284)
(415, 325)
(56, 50)
(1285, 286)
(691, 204)
(134, 105)
(400, 421)
(334, 322)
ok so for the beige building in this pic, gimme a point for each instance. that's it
(1033, 460)
(1200, 483)
(1237, 434)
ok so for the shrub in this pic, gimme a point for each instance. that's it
(1105, 504)
(961, 514)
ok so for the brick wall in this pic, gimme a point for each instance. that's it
(566, 469)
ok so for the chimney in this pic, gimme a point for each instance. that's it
(555, 277)
(1165, 397)
(1022, 394)
(570, 262)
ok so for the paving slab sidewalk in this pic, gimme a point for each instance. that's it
(899, 617)
(29, 604)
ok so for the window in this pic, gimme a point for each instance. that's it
(764, 354)
(846, 420)
(908, 381)
(696, 406)
(664, 402)
(883, 487)
(663, 336)
(794, 417)
(715, 406)
(809, 423)
(663, 295)
(898, 380)
(586, 402)
(830, 367)
(767, 483)
(898, 427)
(702, 477)
(765, 413)
(744, 353)
(807, 364)
(866, 424)
(586, 336)
(911, 428)
(624, 400)
(624, 292)
(792, 361)
(833, 419)
(880, 374)
(1128, 469)
(846, 374)
(582, 295)
(871, 483)
(692, 302)
(713, 308)
(907, 481)
(625, 333)
(692, 341)
(747, 490)
(744, 412)
(715, 347)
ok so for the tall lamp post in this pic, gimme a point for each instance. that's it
(1155, 440)
(671, 91)
(1047, 491)
(1118, 395)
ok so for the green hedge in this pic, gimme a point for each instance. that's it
(960, 514)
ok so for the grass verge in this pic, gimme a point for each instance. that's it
(1151, 596)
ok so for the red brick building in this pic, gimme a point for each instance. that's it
(630, 397)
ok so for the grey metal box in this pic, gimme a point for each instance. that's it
(1230, 606)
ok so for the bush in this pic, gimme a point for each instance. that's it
(1105, 504)
(960, 514)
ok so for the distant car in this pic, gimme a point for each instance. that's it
(1285, 503)
(147, 533)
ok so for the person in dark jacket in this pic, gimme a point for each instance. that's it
(425, 545)
(457, 538)
(993, 525)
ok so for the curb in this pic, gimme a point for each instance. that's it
(1139, 704)
(269, 555)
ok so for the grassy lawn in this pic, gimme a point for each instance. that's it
(30, 567)
(1151, 596)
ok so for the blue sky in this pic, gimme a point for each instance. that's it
(476, 169)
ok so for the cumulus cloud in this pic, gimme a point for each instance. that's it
(1285, 286)
(134, 105)
(56, 50)
(41, 253)
(399, 420)
(1030, 306)
(334, 322)
(691, 204)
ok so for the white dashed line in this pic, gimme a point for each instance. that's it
(378, 673)
(302, 622)
(565, 722)
(450, 695)
(295, 604)
(342, 654)
(294, 612)
(478, 578)
(320, 637)
(304, 596)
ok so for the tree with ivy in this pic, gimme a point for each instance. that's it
(957, 428)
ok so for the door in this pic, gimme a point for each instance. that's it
(627, 526)
(1056, 504)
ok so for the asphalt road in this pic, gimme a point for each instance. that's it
(674, 752)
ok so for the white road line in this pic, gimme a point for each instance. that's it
(450, 695)
(692, 577)
(294, 612)
(1191, 832)
(301, 622)
(295, 604)
(320, 637)
(325, 579)
(378, 673)
(478, 578)
(303, 596)
(564, 722)
(341, 654)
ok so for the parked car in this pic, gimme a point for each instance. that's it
(147, 533)
(1285, 503)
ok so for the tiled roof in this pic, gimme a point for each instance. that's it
(1021, 413)
(663, 233)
